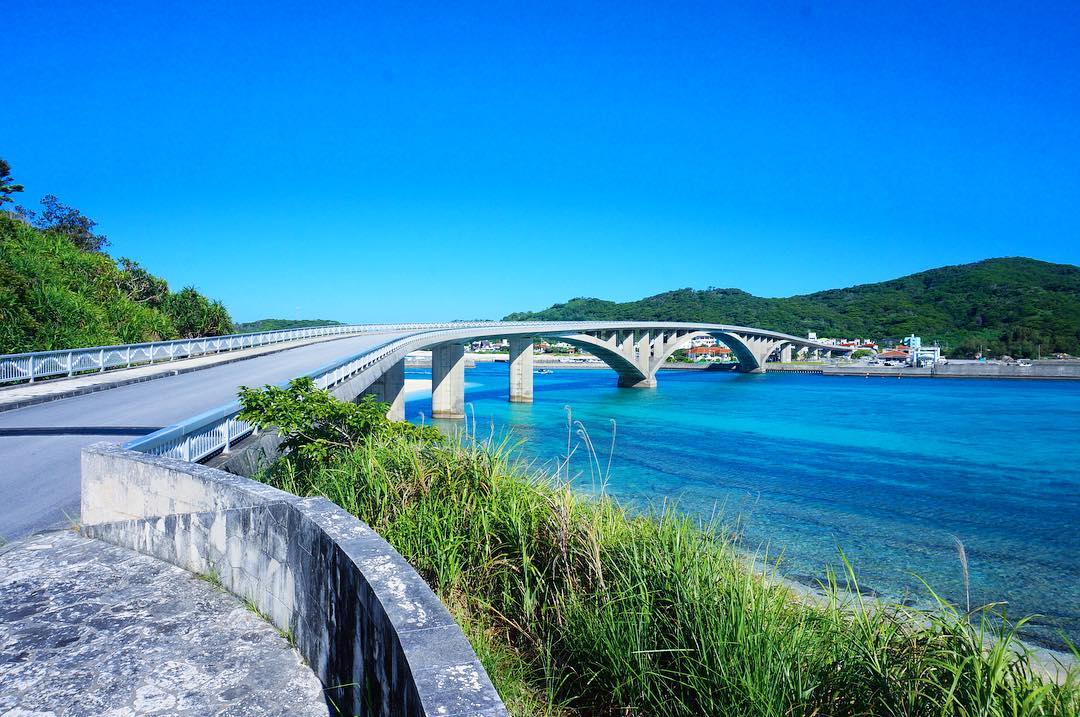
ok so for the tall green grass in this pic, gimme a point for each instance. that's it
(578, 606)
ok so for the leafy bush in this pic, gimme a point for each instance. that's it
(317, 428)
(195, 315)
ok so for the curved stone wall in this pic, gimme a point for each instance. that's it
(381, 642)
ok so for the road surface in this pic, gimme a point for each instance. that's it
(40, 445)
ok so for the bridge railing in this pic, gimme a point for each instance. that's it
(219, 428)
(68, 362)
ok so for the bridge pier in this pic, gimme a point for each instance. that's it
(521, 370)
(785, 353)
(627, 381)
(448, 381)
(390, 388)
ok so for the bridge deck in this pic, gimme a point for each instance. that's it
(39, 445)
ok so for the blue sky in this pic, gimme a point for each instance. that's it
(426, 161)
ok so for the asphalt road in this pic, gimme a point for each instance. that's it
(40, 445)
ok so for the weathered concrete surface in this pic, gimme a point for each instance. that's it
(448, 381)
(367, 623)
(390, 389)
(92, 629)
(521, 370)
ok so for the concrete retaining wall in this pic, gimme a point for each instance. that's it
(1039, 369)
(1060, 370)
(887, 371)
(366, 622)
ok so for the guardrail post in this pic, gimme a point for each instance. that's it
(71, 364)
(31, 369)
(127, 356)
(101, 361)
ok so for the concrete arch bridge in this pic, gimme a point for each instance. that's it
(634, 350)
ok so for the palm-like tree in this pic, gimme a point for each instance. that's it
(7, 186)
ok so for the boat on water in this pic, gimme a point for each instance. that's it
(543, 371)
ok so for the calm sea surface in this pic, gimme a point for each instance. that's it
(891, 471)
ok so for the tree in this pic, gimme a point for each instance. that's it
(140, 285)
(69, 222)
(7, 185)
(195, 315)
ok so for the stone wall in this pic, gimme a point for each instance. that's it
(366, 622)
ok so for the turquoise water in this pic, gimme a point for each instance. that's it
(890, 471)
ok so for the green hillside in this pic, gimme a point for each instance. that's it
(55, 294)
(1002, 306)
(248, 327)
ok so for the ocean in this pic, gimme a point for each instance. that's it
(890, 472)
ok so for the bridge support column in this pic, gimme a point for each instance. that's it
(785, 353)
(390, 388)
(521, 370)
(448, 381)
(639, 351)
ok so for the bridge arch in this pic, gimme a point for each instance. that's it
(635, 351)
(621, 361)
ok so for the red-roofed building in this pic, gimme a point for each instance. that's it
(708, 352)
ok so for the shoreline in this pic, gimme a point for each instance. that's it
(1053, 663)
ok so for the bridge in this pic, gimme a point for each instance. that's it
(373, 633)
(635, 351)
(192, 415)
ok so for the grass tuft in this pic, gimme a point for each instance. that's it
(577, 606)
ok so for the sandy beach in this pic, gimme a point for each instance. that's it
(415, 386)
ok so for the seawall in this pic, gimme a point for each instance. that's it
(1042, 370)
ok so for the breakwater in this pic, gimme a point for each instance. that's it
(1046, 370)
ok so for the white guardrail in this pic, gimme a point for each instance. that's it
(219, 428)
(48, 364)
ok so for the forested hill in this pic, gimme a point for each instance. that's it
(248, 327)
(1003, 306)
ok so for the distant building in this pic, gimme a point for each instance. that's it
(708, 353)
(921, 355)
(900, 354)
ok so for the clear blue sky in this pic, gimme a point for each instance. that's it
(423, 161)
